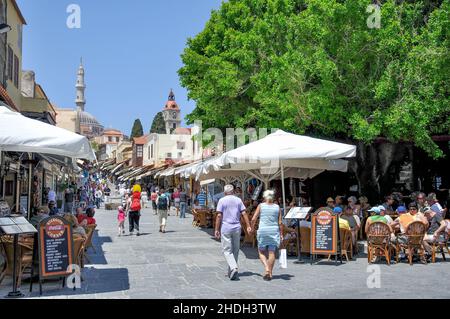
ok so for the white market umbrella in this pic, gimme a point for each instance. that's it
(21, 134)
(284, 150)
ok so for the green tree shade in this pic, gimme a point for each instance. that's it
(137, 129)
(158, 125)
(314, 66)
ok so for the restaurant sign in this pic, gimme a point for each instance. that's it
(324, 232)
(55, 248)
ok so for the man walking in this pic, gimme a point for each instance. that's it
(163, 205)
(183, 203)
(229, 211)
(68, 200)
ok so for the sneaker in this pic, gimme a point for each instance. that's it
(137, 234)
(233, 274)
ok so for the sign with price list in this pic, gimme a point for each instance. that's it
(55, 248)
(324, 232)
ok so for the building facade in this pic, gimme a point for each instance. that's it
(108, 143)
(35, 103)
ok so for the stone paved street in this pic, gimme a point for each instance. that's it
(187, 263)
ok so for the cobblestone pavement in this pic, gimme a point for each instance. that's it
(187, 263)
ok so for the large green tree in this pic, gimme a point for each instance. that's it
(315, 67)
(137, 129)
(158, 124)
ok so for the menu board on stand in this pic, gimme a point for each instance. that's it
(325, 234)
(55, 249)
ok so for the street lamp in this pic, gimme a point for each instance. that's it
(4, 28)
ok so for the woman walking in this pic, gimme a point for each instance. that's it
(269, 233)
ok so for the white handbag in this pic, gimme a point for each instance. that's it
(283, 259)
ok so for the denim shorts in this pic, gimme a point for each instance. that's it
(269, 248)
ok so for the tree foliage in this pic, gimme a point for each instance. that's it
(314, 66)
(158, 125)
(137, 129)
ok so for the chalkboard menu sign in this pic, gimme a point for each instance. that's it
(324, 232)
(55, 248)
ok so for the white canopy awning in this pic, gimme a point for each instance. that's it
(287, 146)
(21, 134)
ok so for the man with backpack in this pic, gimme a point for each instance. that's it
(163, 205)
(134, 207)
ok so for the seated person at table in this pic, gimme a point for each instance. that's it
(52, 209)
(405, 219)
(384, 212)
(81, 216)
(77, 230)
(40, 214)
(352, 222)
(343, 223)
(196, 205)
(436, 229)
(377, 217)
(90, 212)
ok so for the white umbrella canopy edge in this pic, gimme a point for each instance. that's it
(283, 146)
(21, 134)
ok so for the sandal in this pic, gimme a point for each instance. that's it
(266, 276)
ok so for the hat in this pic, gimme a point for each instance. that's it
(375, 210)
(337, 210)
(401, 209)
(427, 209)
(329, 199)
(382, 208)
(228, 188)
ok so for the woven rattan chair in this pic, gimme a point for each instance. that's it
(346, 243)
(414, 240)
(195, 220)
(78, 248)
(24, 261)
(439, 245)
(379, 241)
(90, 230)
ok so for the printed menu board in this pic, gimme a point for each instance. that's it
(324, 232)
(55, 247)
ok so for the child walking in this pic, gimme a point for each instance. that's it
(121, 218)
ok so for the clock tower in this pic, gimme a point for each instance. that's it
(171, 114)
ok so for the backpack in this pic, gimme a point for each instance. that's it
(162, 202)
(135, 204)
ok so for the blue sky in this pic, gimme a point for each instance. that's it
(131, 52)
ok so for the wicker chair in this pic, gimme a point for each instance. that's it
(90, 230)
(439, 245)
(78, 248)
(25, 260)
(414, 240)
(195, 221)
(346, 243)
(379, 241)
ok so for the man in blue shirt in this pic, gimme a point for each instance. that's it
(201, 197)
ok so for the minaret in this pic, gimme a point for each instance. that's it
(80, 86)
